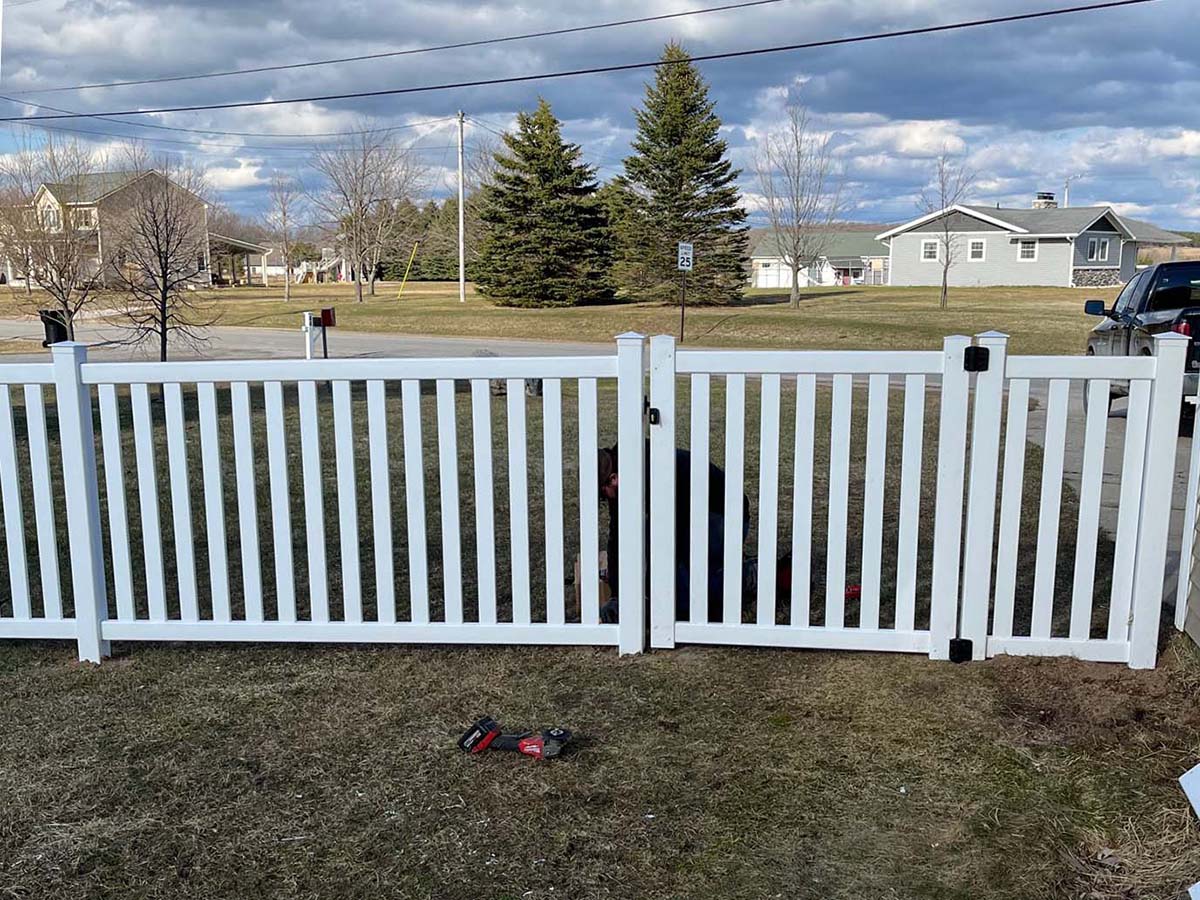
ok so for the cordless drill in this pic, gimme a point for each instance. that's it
(486, 734)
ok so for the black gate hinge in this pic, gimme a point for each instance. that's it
(975, 359)
(961, 650)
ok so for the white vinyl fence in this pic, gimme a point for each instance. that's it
(997, 539)
(228, 501)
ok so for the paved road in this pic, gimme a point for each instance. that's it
(244, 343)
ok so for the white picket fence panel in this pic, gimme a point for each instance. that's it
(974, 527)
(171, 606)
(942, 534)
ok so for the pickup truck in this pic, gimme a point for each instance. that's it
(1164, 297)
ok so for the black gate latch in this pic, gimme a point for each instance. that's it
(975, 359)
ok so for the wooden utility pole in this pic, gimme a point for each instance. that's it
(462, 241)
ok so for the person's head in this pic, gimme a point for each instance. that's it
(606, 467)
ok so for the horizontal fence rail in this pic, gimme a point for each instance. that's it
(947, 502)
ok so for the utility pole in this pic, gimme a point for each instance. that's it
(462, 239)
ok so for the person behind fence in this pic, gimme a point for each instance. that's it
(715, 576)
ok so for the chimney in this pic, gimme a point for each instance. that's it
(1045, 200)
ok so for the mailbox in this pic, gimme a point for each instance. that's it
(328, 319)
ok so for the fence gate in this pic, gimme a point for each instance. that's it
(901, 536)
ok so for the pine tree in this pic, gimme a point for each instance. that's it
(678, 186)
(546, 240)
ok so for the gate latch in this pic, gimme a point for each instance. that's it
(975, 359)
(655, 416)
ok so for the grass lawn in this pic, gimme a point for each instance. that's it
(209, 771)
(1040, 320)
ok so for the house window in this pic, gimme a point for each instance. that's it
(1027, 251)
(50, 219)
(83, 218)
(929, 251)
(200, 267)
(765, 265)
(1103, 257)
(977, 250)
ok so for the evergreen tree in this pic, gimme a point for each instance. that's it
(678, 186)
(546, 239)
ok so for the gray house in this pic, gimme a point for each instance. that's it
(1078, 246)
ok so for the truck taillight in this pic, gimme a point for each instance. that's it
(1183, 328)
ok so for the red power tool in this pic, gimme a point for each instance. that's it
(486, 734)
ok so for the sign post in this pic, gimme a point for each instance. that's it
(685, 260)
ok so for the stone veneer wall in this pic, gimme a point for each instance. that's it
(1081, 277)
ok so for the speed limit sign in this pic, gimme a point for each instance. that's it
(685, 257)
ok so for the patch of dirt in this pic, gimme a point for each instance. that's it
(1066, 701)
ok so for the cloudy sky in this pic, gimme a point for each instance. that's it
(1110, 96)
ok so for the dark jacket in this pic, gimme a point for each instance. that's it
(683, 509)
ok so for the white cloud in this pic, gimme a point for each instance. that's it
(245, 174)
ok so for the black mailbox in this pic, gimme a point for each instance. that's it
(54, 321)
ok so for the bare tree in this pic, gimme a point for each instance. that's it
(801, 191)
(283, 215)
(952, 182)
(45, 225)
(158, 250)
(356, 178)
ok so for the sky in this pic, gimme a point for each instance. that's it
(1107, 96)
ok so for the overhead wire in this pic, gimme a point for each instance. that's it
(607, 69)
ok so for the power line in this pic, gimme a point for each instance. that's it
(266, 134)
(393, 53)
(598, 70)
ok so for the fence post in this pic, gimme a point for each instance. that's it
(1183, 586)
(981, 497)
(948, 505)
(1158, 476)
(74, 402)
(631, 495)
(662, 491)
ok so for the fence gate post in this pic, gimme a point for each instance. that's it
(948, 505)
(631, 494)
(78, 441)
(1158, 475)
(662, 491)
(981, 497)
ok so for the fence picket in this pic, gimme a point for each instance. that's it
(214, 501)
(1051, 505)
(247, 500)
(14, 513)
(414, 501)
(518, 501)
(143, 440)
(314, 503)
(663, 493)
(1137, 420)
(485, 499)
(802, 495)
(281, 514)
(1091, 486)
(909, 530)
(347, 494)
(448, 475)
(872, 546)
(43, 501)
(768, 498)
(699, 502)
(553, 462)
(735, 453)
(589, 509)
(181, 504)
(1187, 541)
(381, 502)
(114, 486)
(1011, 489)
(839, 497)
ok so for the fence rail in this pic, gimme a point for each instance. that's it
(406, 500)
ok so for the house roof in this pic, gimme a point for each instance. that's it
(238, 243)
(1068, 221)
(90, 188)
(840, 244)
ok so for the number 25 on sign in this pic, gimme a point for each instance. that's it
(684, 265)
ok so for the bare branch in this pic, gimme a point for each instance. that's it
(952, 183)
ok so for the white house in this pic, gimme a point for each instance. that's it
(847, 257)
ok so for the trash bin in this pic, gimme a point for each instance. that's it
(55, 324)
